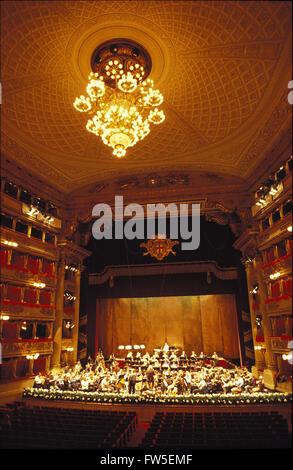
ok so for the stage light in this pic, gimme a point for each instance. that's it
(121, 347)
(136, 346)
(142, 346)
(289, 228)
(128, 346)
(36, 356)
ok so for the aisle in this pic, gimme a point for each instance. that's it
(138, 435)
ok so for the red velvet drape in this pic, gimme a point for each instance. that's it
(45, 298)
(33, 264)
(287, 286)
(280, 326)
(21, 367)
(9, 330)
(39, 365)
(47, 267)
(13, 293)
(4, 256)
(6, 369)
(17, 259)
(275, 289)
(30, 295)
(270, 255)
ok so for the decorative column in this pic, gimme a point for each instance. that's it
(34, 331)
(270, 358)
(259, 357)
(75, 330)
(57, 329)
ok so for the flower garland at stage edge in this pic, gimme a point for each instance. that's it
(197, 399)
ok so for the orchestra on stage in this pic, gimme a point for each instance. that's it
(167, 371)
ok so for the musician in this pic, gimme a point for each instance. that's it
(215, 359)
(139, 381)
(150, 373)
(39, 381)
(187, 380)
(166, 347)
(132, 381)
(203, 388)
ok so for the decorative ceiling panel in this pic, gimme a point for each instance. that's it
(221, 66)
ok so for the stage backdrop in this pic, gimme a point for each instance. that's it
(205, 323)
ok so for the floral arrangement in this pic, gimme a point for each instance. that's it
(197, 399)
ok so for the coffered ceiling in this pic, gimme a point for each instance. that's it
(222, 66)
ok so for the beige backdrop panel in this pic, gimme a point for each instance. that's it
(205, 323)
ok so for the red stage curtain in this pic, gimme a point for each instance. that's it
(30, 295)
(9, 330)
(39, 365)
(33, 264)
(45, 298)
(4, 256)
(275, 289)
(13, 293)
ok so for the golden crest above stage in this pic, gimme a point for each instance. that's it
(159, 247)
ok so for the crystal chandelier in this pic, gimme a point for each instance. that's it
(121, 101)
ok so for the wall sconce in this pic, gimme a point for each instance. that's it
(275, 275)
(258, 320)
(6, 242)
(32, 356)
(254, 290)
(4, 317)
(39, 284)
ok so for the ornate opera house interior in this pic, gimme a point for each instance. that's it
(146, 225)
